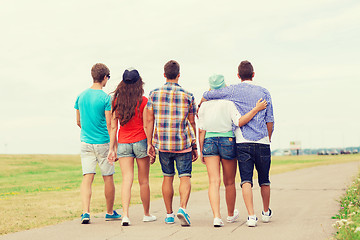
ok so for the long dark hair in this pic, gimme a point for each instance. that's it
(126, 98)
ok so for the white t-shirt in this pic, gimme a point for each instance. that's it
(240, 138)
(218, 116)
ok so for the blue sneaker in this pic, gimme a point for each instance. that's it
(114, 216)
(183, 217)
(85, 218)
(170, 220)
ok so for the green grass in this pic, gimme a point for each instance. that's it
(348, 224)
(22, 174)
(31, 186)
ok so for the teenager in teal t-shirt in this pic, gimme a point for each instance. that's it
(93, 116)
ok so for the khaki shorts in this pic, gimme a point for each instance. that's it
(91, 154)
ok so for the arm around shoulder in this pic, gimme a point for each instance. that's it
(260, 105)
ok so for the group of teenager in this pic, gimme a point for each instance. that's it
(235, 126)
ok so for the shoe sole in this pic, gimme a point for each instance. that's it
(85, 221)
(125, 224)
(218, 225)
(112, 219)
(251, 225)
(183, 220)
(152, 220)
(169, 222)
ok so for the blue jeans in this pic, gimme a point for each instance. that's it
(183, 163)
(135, 150)
(220, 146)
(250, 155)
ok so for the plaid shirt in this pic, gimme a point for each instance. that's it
(172, 105)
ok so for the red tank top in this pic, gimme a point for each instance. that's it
(133, 131)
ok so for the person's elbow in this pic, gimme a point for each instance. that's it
(112, 127)
(148, 124)
(242, 122)
(192, 120)
(270, 125)
(145, 126)
(149, 121)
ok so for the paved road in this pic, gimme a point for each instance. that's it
(303, 203)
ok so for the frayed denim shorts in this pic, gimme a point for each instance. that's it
(135, 150)
(225, 147)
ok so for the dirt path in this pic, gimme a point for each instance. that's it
(303, 203)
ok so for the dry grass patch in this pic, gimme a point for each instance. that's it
(40, 190)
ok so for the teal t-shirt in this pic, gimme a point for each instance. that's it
(219, 134)
(92, 104)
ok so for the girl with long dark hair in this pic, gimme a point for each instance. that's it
(127, 110)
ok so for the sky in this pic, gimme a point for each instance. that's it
(306, 53)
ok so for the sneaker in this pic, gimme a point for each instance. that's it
(266, 218)
(85, 218)
(251, 221)
(218, 222)
(125, 221)
(183, 217)
(170, 219)
(150, 218)
(231, 219)
(114, 216)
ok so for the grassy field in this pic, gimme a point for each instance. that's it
(40, 190)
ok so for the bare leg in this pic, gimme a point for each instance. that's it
(109, 193)
(184, 190)
(85, 190)
(143, 177)
(168, 193)
(248, 198)
(127, 171)
(265, 194)
(213, 169)
(229, 173)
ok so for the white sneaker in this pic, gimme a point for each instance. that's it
(251, 221)
(150, 218)
(231, 219)
(218, 222)
(125, 221)
(266, 218)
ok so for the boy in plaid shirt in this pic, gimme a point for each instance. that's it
(172, 110)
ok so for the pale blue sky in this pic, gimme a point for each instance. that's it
(304, 52)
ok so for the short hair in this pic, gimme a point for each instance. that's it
(171, 69)
(245, 70)
(99, 71)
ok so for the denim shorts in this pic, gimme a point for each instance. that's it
(135, 150)
(183, 163)
(220, 146)
(250, 155)
(93, 154)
